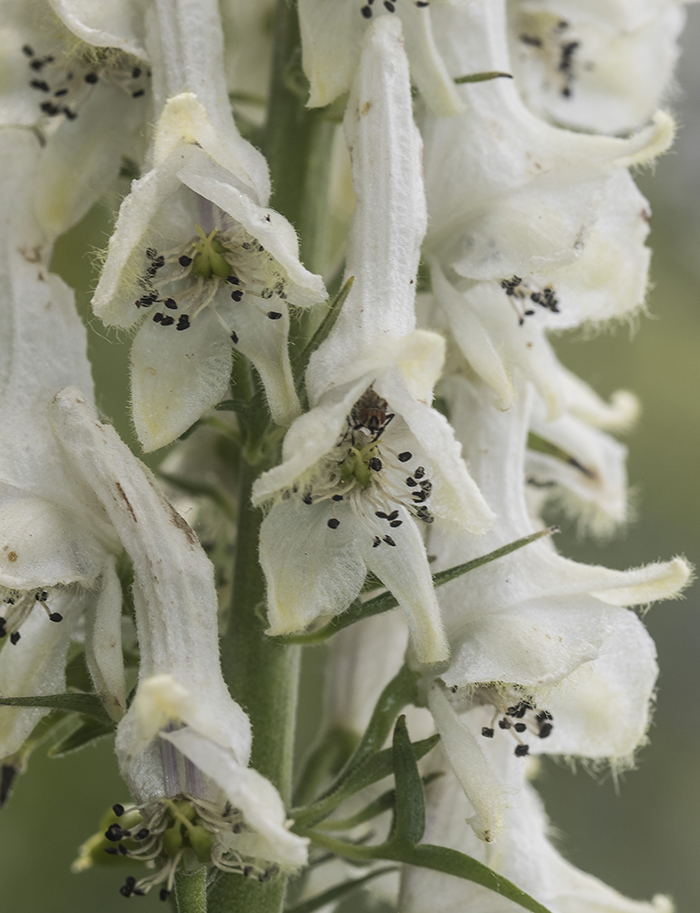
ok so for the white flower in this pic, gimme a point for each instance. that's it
(57, 548)
(183, 738)
(543, 231)
(523, 854)
(372, 457)
(601, 67)
(205, 265)
(544, 642)
(87, 91)
(332, 33)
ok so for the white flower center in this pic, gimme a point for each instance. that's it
(366, 474)
(185, 280)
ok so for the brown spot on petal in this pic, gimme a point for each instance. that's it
(183, 525)
(122, 494)
(12, 556)
(366, 107)
(31, 255)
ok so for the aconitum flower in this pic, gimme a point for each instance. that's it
(524, 855)
(87, 91)
(543, 232)
(602, 67)
(57, 549)
(544, 642)
(372, 461)
(184, 744)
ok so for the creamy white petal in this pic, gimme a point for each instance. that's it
(264, 342)
(472, 769)
(405, 571)
(619, 414)
(247, 790)
(602, 710)
(103, 642)
(427, 67)
(177, 376)
(174, 593)
(309, 439)
(310, 569)
(612, 78)
(211, 181)
(109, 23)
(44, 545)
(455, 495)
(81, 160)
(185, 120)
(477, 344)
(523, 855)
(390, 217)
(113, 301)
(593, 490)
(35, 665)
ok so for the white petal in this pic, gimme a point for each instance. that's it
(93, 146)
(103, 643)
(523, 855)
(174, 593)
(275, 233)
(602, 710)
(186, 120)
(620, 414)
(595, 491)
(177, 376)
(264, 342)
(109, 24)
(331, 35)
(311, 570)
(617, 75)
(309, 439)
(390, 217)
(476, 343)
(249, 791)
(44, 545)
(455, 495)
(427, 67)
(404, 570)
(35, 665)
(470, 767)
(113, 301)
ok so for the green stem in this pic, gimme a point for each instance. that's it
(263, 678)
(191, 891)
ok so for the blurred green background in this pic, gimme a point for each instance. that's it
(642, 839)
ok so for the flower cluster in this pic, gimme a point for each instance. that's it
(399, 448)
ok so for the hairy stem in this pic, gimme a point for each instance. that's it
(191, 891)
(263, 678)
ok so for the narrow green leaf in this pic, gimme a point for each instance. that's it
(375, 768)
(338, 891)
(301, 360)
(409, 816)
(233, 405)
(401, 690)
(481, 77)
(88, 704)
(437, 858)
(451, 862)
(378, 807)
(386, 601)
(88, 731)
(542, 445)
